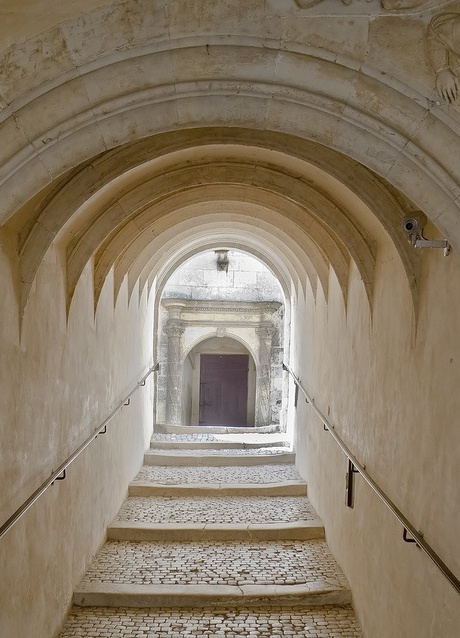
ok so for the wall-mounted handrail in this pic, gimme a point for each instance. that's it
(60, 472)
(407, 525)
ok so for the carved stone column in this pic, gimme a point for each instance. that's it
(174, 329)
(263, 411)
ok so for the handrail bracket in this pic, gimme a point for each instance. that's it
(61, 477)
(350, 484)
(60, 474)
(410, 534)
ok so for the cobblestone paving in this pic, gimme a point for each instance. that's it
(210, 509)
(186, 438)
(218, 475)
(215, 563)
(262, 451)
(330, 622)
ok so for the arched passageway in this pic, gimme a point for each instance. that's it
(221, 340)
(136, 137)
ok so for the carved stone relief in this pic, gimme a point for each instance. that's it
(443, 38)
(388, 5)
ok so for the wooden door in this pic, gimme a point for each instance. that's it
(224, 389)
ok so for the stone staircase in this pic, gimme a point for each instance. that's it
(217, 538)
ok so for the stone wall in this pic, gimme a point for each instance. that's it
(244, 279)
(141, 130)
(60, 377)
(390, 386)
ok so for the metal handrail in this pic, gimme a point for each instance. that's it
(60, 473)
(408, 527)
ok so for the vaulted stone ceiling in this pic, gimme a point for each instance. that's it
(137, 132)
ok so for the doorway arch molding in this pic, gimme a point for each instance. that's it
(231, 334)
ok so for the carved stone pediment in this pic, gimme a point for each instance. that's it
(225, 313)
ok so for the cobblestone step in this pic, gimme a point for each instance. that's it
(303, 530)
(165, 573)
(218, 440)
(263, 480)
(212, 622)
(119, 595)
(220, 476)
(218, 457)
(216, 445)
(294, 488)
(217, 509)
(217, 518)
(213, 429)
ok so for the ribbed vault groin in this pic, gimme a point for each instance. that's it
(115, 209)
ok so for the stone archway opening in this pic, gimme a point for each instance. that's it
(221, 339)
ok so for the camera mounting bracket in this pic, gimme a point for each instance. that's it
(418, 241)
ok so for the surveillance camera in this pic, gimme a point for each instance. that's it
(412, 225)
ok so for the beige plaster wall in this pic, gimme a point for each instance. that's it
(391, 389)
(59, 380)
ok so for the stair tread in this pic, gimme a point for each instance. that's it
(216, 518)
(192, 445)
(300, 622)
(216, 458)
(210, 475)
(214, 429)
(257, 451)
(214, 509)
(206, 437)
(223, 563)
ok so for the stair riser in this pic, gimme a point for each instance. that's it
(217, 429)
(212, 445)
(215, 533)
(284, 489)
(247, 596)
(165, 460)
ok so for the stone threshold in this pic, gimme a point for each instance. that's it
(287, 488)
(141, 531)
(122, 595)
(190, 460)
